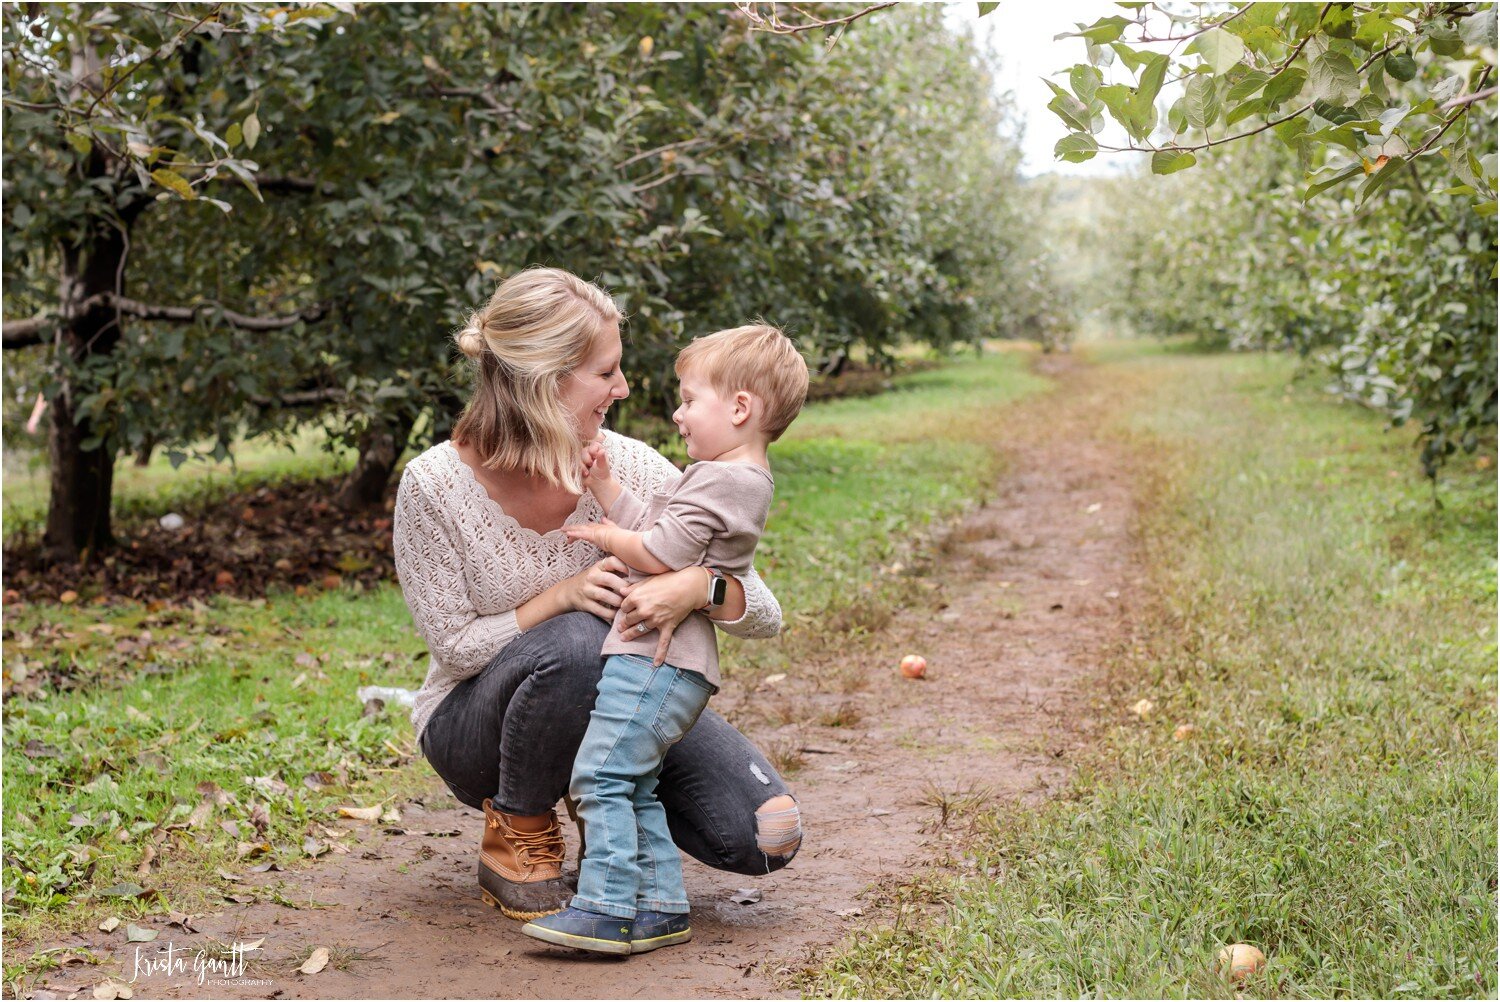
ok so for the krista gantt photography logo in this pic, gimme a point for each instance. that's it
(218, 965)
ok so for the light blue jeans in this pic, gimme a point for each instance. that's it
(630, 863)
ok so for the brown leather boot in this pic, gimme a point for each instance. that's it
(520, 873)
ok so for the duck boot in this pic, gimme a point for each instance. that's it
(520, 873)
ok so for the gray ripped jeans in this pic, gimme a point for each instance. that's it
(511, 733)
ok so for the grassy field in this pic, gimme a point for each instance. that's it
(1330, 635)
(122, 714)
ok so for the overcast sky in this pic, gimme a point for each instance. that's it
(1020, 33)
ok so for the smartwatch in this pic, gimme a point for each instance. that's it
(718, 588)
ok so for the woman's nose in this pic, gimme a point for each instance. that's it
(621, 389)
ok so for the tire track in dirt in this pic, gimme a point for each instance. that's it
(1030, 593)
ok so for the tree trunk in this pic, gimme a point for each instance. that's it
(380, 448)
(78, 523)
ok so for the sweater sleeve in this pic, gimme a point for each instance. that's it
(641, 469)
(431, 572)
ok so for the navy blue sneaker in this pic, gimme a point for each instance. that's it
(582, 930)
(654, 930)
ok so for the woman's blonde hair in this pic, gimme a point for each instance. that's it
(536, 329)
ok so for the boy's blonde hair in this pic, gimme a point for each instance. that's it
(537, 328)
(758, 359)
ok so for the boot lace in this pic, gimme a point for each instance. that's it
(545, 846)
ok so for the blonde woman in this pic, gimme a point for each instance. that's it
(514, 614)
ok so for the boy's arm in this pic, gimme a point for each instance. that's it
(623, 543)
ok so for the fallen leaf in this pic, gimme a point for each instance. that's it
(109, 925)
(361, 813)
(313, 847)
(123, 891)
(773, 679)
(112, 990)
(182, 920)
(316, 962)
(68, 598)
(390, 816)
(143, 869)
(745, 896)
(1092, 508)
(232, 877)
(319, 780)
(305, 660)
(260, 817)
(849, 912)
(268, 784)
(245, 849)
(201, 813)
(136, 934)
(266, 867)
(230, 828)
(1184, 732)
(1143, 708)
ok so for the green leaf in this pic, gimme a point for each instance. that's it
(1132, 59)
(1072, 111)
(83, 144)
(1479, 27)
(1171, 161)
(251, 130)
(173, 181)
(1151, 78)
(1085, 81)
(1106, 29)
(1246, 86)
(1328, 177)
(1333, 79)
(234, 135)
(1201, 102)
(1400, 66)
(1076, 148)
(1219, 49)
(985, 8)
(1285, 86)
(1243, 111)
(1379, 178)
(1290, 131)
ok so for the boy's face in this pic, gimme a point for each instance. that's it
(705, 420)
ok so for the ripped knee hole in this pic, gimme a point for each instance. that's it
(778, 833)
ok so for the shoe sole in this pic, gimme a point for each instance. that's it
(512, 913)
(657, 942)
(617, 947)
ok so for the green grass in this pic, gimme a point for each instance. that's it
(233, 690)
(1331, 635)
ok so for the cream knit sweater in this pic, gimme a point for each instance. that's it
(466, 566)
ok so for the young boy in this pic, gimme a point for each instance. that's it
(740, 390)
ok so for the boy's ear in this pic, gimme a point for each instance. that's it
(743, 408)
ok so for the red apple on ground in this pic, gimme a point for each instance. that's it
(913, 666)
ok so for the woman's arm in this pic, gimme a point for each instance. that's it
(432, 582)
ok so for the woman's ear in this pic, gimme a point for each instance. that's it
(743, 407)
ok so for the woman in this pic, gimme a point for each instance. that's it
(514, 614)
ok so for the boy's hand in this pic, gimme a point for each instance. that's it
(596, 465)
(597, 533)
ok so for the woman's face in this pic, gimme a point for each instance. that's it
(588, 390)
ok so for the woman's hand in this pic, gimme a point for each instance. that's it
(600, 589)
(661, 603)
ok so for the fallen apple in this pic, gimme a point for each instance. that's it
(1240, 961)
(1184, 732)
(913, 666)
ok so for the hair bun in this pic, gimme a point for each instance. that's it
(470, 341)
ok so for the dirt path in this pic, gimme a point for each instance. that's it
(1033, 583)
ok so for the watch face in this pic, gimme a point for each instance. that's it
(718, 591)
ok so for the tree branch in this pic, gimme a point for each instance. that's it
(25, 333)
(773, 23)
(1463, 99)
(1270, 124)
(189, 314)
